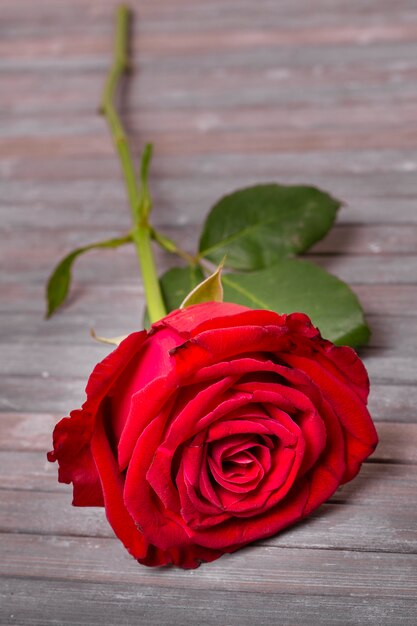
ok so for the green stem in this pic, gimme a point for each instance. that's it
(170, 246)
(141, 231)
(156, 307)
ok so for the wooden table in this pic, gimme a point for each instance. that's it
(231, 92)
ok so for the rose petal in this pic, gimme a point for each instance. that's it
(185, 321)
(72, 436)
(184, 425)
(230, 535)
(251, 472)
(76, 465)
(239, 318)
(210, 346)
(153, 364)
(145, 406)
(112, 484)
(163, 527)
(344, 363)
(196, 510)
(302, 412)
(313, 431)
(360, 433)
(327, 474)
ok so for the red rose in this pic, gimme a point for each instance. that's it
(219, 426)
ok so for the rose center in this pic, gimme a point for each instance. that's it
(239, 463)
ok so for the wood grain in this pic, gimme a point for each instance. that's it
(103, 560)
(124, 603)
(231, 92)
(344, 526)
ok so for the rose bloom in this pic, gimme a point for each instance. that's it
(219, 426)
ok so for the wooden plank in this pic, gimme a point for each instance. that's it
(59, 397)
(48, 602)
(167, 80)
(397, 443)
(268, 74)
(389, 527)
(167, 10)
(202, 121)
(384, 177)
(186, 40)
(26, 431)
(155, 45)
(232, 143)
(370, 270)
(170, 41)
(43, 92)
(288, 570)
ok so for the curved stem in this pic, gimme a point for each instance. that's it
(170, 246)
(141, 231)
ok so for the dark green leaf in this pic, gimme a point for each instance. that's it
(60, 279)
(293, 285)
(258, 226)
(176, 283)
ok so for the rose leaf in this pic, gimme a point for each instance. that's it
(295, 285)
(60, 279)
(258, 226)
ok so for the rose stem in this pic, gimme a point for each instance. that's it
(170, 246)
(138, 198)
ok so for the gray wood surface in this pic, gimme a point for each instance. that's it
(231, 92)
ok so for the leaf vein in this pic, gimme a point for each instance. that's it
(237, 234)
(244, 292)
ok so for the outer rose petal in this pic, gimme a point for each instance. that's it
(330, 469)
(344, 363)
(154, 364)
(165, 524)
(72, 436)
(186, 321)
(112, 483)
(360, 434)
(76, 465)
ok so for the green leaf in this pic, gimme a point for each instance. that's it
(258, 226)
(209, 290)
(294, 285)
(176, 283)
(60, 279)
